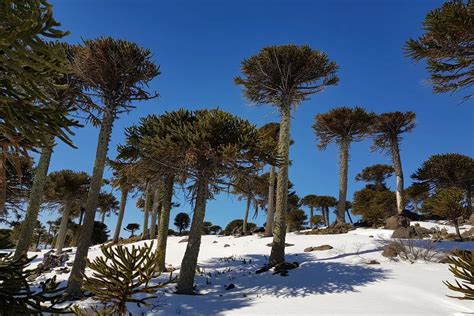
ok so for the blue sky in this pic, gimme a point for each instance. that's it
(200, 44)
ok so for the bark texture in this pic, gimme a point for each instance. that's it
(75, 278)
(123, 203)
(34, 203)
(154, 212)
(271, 203)
(63, 226)
(147, 210)
(164, 221)
(246, 216)
(189, 262)
(277, 254)
(343, 168)
(397, 165)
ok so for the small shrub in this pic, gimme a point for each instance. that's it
(120, 273)
(236, 225)
(412, 250)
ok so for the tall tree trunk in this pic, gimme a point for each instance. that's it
(164, 221)
(3, 179)
(147, 209)
(75, 278)
(63, 226)
(271, 203)
(349, 216)
(277, 254)
(123, 203)
(343, 167)
(189, 262)
(81, 216)
(102, 216)
(49, 235)
(326, 211)
(246, 215)
(311, 215)
(397, 165)
(34, 203)
(154, 212)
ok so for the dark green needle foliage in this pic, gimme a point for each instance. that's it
(123, 275)
(447, 46)
(462, 267)
(181, 221)
(16, 295)
(376, 175)
(132, 227)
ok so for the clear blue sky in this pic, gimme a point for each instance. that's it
(199, 46)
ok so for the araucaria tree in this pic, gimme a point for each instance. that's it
(387, 130)
(448, 170)
(205, 147)
(107, 204)
(284, 76)
(181, 221)
(376, 175)
(447, 46)
(342, 126)
(65, 187)
(311, 202)
(115, 71)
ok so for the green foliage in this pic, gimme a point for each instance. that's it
(448, 202)
(316, 220)
(66, 185)
(416, 195)
(376, 174)
(374, 205)
(206, 228)
(16, 295)
(447, 46)
(215, 229)
(286, 74)
(388, 127)
(132, 227)
(182, 221)
(122, 275)
(108, 204)
(100, 234)
(342, 125)
(5, 239)
(38, 234)
(462, 267)
(296, 219)
(237, 224)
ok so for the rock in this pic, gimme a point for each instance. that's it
(214, 242)
(372, 262)
(183, 240)
(396, 221)
(226, 245)
(333, 229)
(391, 250)
(282, 268)
(265, 268)
(51, 260)
(468, 234)
(318, 248)
(286, 244)
(411, 232)
(230, 287)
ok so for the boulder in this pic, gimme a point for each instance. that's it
(468, 234)
(282, 268)
(286, 245)
(396, 221)
(333, 229)
(411, 232)
(226, 245)
(391, 250)
(318, 248)
(51, 260)
(230, 287)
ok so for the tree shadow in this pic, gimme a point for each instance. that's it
(312, 277)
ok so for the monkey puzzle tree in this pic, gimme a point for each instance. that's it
(115, 71)
(132, 227)
(324, 202)
(447, 46)
(448, 170)
(311, 202)
(124, 180)
(181, 221)
(376, 175)
(65, 187)
(285, 76)
(387, 130)
(206, 147)
(416, 195)
(246, 187)
(342, 126)
(107, 204)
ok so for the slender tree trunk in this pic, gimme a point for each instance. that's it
(469, 203)
(49, 235)
(189, 262)
(311, 215)
(75, 278)
(164, 221)
(102, 216)
(397, 165)
(154, 212)
(123, 203)
(349, 216)
(456, 225)
(246, 216)
(343, 167)
(63, 226)
(271, 203)
(81, 216)
(326, 210)
(277, 254)
(147, 209)
(39, 239)
(34, 203)
(3, 179)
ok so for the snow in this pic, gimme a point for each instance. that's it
(332, 282)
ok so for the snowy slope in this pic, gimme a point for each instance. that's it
(332, 282)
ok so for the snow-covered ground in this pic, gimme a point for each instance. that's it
(332, 282)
